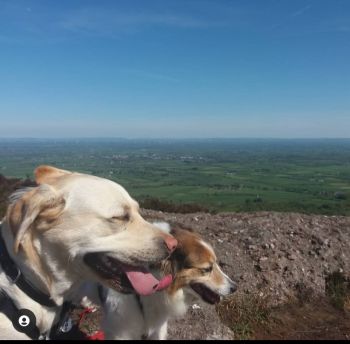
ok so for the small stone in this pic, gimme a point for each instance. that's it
(258, 267)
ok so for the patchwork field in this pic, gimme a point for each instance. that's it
(309, 176)
(292, 269)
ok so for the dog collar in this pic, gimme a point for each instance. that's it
(15, 275)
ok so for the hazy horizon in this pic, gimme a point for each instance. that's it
(96, 138)
(221, 174)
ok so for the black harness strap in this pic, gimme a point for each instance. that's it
(56, 329)
(138, 299)
(102, 294)
(8, 307)
(15, 276)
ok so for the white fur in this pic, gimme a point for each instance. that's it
(164, 226)
(84, 226)
(124, 318)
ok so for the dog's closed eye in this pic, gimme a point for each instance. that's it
(124, 217)
(207, 270)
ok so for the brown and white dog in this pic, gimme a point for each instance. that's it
(73, 228)
(196, 275)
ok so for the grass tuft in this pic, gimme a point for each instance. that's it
(243, 313)
(338, 290)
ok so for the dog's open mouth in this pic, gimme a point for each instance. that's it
(123, 277)
(205, 293)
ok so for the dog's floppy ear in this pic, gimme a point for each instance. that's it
(45, 174)
(37, 207)
(42, 202)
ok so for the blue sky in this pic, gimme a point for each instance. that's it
(208, 68)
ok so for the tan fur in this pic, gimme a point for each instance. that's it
(33, 256)
(125, 319)
(41, 206)
(188, 260)
(47, 174)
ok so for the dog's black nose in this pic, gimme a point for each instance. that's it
(233, 288)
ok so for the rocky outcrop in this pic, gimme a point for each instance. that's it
(274, 254)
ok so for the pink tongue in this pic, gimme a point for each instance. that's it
(145, 283)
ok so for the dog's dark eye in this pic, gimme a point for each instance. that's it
(207, 270)
(125, 217)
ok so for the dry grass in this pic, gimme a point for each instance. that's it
(242, 313)
(304, 316)
(338, 290)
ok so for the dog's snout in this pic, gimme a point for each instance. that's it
(171, 243)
